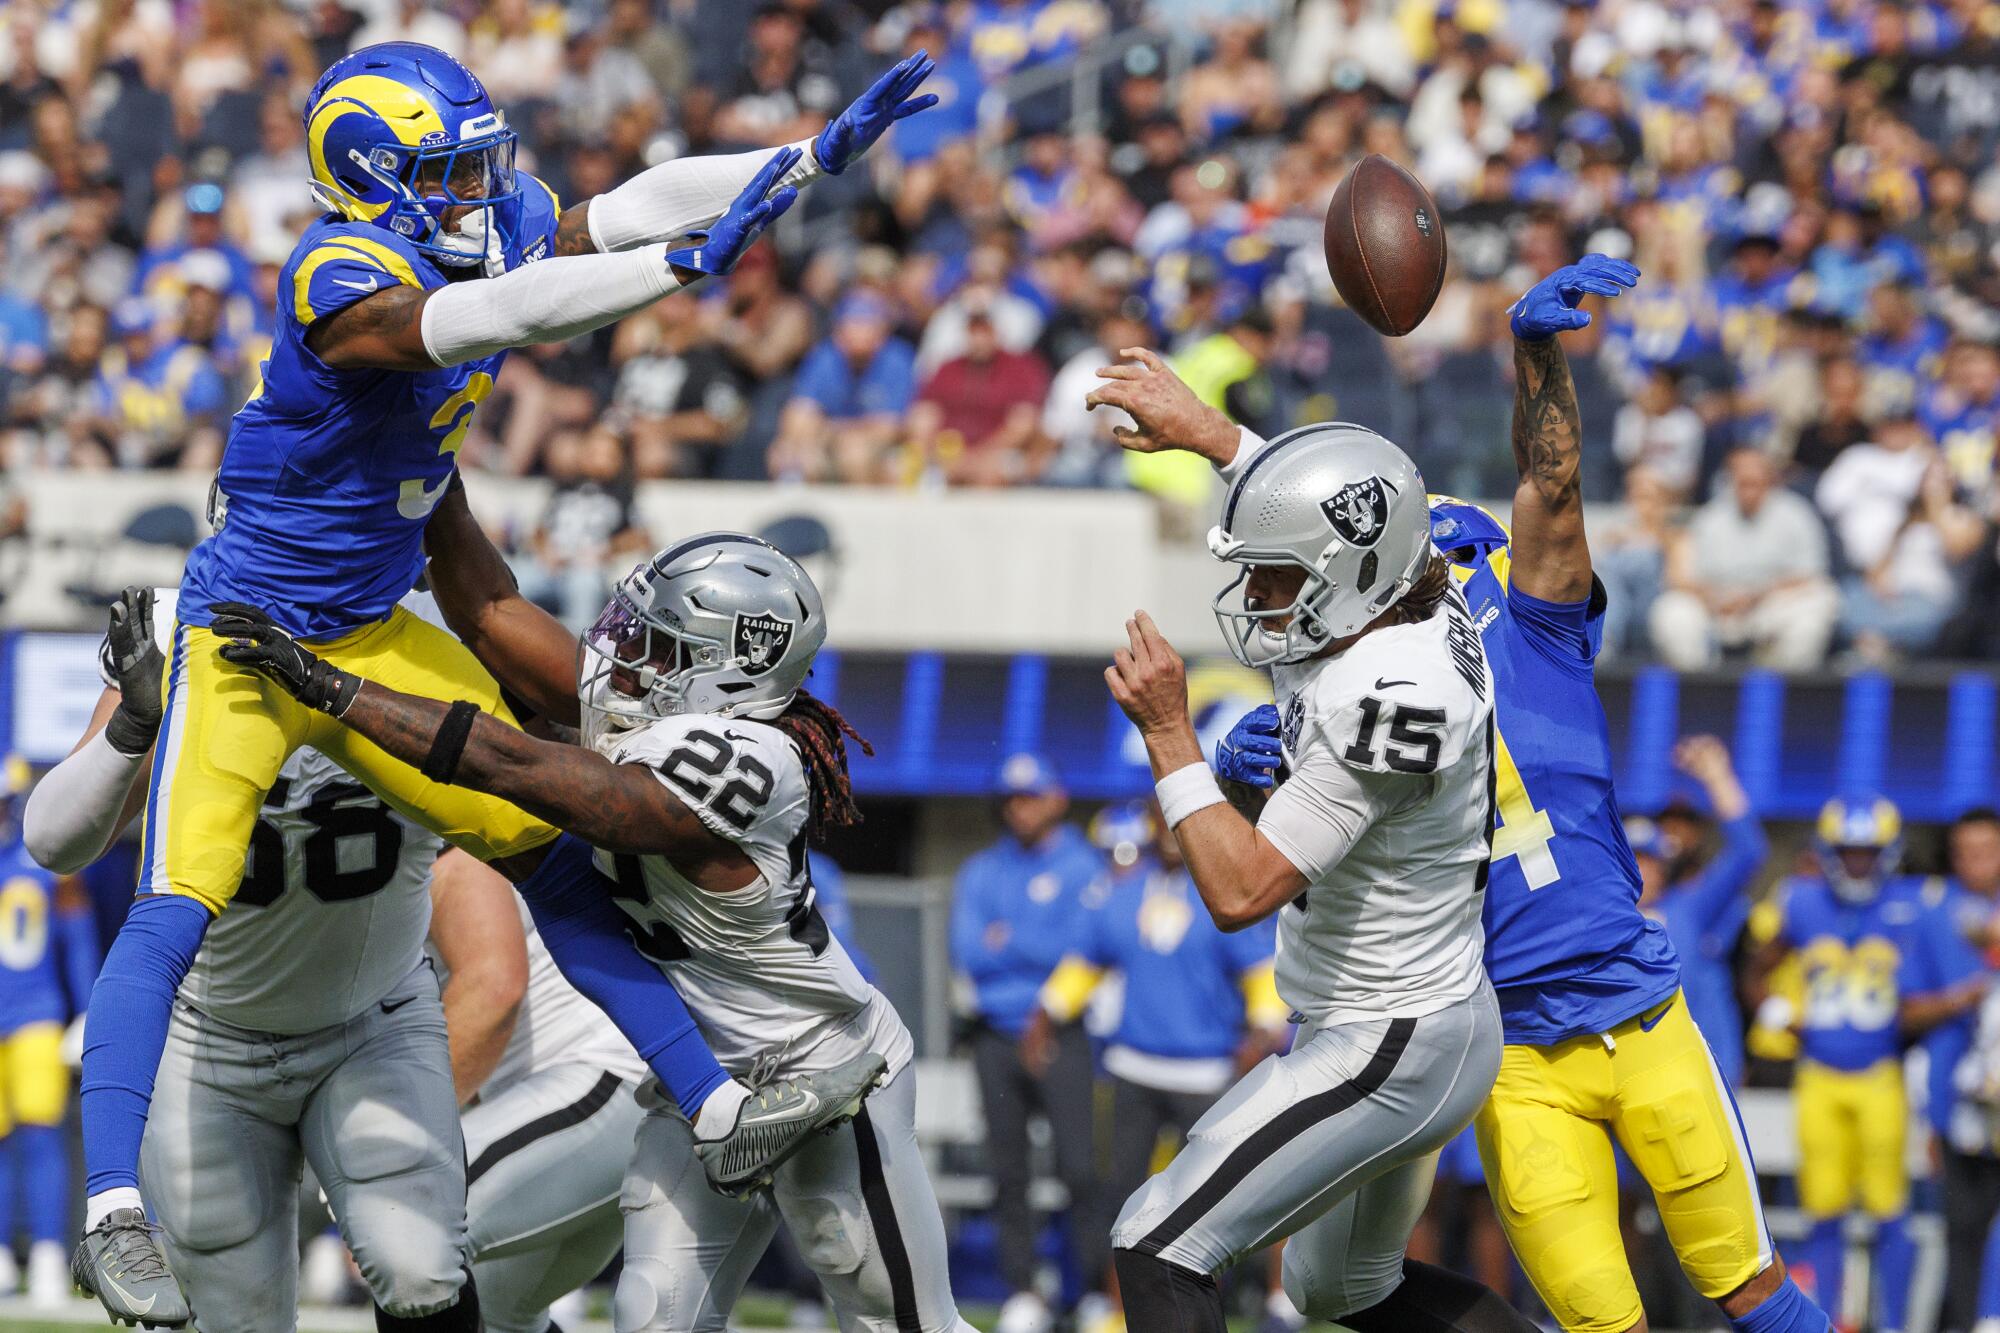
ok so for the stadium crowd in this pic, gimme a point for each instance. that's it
(1797, 407)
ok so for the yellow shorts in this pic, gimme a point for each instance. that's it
(34, 1084)
(1854, 1132)
(227, 731)
(1545, 1139)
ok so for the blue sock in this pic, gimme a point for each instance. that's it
(1787, 1310)
(130, 1007)
(1895, 1260)
(44, 1160)
(585, 933)
(1989, 1276)
(1824, 1252)
(10, 1181)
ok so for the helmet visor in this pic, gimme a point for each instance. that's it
(479, 171)
(637, 666)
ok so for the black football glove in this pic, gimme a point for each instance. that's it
(258, 643)
(134, 665)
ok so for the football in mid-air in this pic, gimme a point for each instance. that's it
(1385, 245)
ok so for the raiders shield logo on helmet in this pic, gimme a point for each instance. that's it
(759, 642)
(1359, 510)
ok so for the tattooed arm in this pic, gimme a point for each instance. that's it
(379, 332)
(620, 808)
(1551, 557)
(1551, 554)
(573, 231)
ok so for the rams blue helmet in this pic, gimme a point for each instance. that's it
(399, 134)
(1463, 531)
(1860, 844)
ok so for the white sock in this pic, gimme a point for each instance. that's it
(106, 1202)
(717, 1116)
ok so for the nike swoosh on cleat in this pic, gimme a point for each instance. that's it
(126, 1297)
(1382, 684)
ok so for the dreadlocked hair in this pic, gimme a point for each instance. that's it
(821, 734)
(1421, 601)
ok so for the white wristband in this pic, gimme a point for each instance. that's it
(1186, 790)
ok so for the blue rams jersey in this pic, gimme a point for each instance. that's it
(1015, 911)
(1704, 915)
(1855, 960)
(1183, 993)
(1946, 950)
(38, 970)
(1567, 948)
(330, 475)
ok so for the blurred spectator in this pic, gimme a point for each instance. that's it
(785, 89)
(1702, 896)
(1344, 44)
(420, 21)
(687, 401)
(1197, 1007)
(1840, 424)
(1658, 431)
(1630, 559)
(1963, 414)
(762, 327)
(977, 420)
(50, 419)
(1890, 503)
(1235, 90)
(1749, 574)
(848, 400)
(1017, 909)
(1902, 347)
(516, 47)
(588, 531)
(1085, 452)
(159, 401)
(1952, 977)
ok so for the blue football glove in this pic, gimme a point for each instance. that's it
(716, 250)
(1250, 753)
(1549, 307)
(853, 131)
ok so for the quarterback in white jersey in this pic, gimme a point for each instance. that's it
(309, 1031)
(1373, 854)
(705, 772)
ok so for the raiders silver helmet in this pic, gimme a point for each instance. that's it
(720, 623)
(1341, 503)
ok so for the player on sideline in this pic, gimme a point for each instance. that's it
(310, 1030)
(395, 312)
(1599, 1043)
(1374, 858)
(706, 771)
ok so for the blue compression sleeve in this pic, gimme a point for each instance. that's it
(1786, 1311)
(1895, 1263)
(584, 931)
(1824, 1252)
(126, 1031)
(44, 1160)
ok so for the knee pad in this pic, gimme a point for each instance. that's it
(828, 1230)
(452, 1311)
(648, 1300)
(1329, 1296)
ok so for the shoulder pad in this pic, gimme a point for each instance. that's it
(337, 265)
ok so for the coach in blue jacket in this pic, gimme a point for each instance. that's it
(1017, 910)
